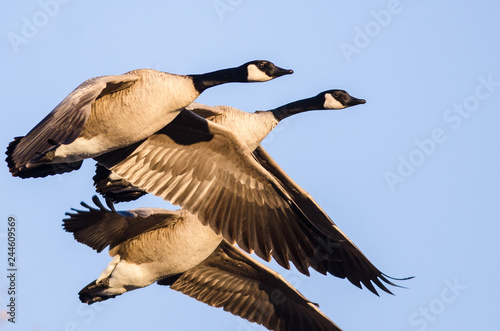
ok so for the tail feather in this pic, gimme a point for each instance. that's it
(93, 293)
(10, 150)
(36, 170)
(116, 190)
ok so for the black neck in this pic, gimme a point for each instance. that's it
(204, 81)
(296, 107)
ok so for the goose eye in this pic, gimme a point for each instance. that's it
(336, 95)
(260, 65)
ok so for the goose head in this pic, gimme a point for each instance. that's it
(338, 99)
(253, 71)
(262, 71)
(331, 99)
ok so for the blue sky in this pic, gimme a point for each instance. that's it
(411, 176)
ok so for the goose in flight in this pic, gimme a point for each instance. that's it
(110, 112)
(173, 248)
(216, 170)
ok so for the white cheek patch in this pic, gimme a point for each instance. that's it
(256, 75)
(332, 103)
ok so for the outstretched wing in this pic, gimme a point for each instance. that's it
(65, 123)
(117, 189)
(341, 257)
(207, 170)
(293, 228)
(237, 283)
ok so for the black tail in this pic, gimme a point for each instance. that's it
(10, 149)
(91, 293)
(40, 170)
(116, 190)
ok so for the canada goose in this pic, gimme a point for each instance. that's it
(216, 170)
(172, 248)
(109, 112)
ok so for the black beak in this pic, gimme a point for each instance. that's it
(355, 101)
(278, 72)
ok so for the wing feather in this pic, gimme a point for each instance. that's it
(240, 285)
(65, 123)
(243, 196)
(337, 253)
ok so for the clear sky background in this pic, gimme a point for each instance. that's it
(412, 176)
